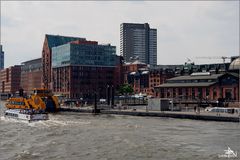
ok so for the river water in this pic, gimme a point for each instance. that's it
(75, 136)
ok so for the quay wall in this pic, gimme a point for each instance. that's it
(180, 115)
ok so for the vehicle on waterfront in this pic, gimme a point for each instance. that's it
(222, 110)
(25, 114)
(216, 109)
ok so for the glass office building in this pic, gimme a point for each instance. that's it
(1, 58)
(81, 68)
(51, 41)
(83, 54)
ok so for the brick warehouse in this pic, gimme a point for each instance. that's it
(31, 75)
(82, 81)
(82, 68)
(10, 79)
(49, 42)
(143, 78)
(201, 86)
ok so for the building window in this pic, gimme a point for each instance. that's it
(180, 92)
(187, 93)
(207, 92)
(200, 93)
(221, 93)
(162, 92)
(168, 93)
(174, 92)
(193, 93)
(184, 93)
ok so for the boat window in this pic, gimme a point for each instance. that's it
(17, 103)
(42, 91)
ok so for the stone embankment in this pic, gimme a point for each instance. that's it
(224, 117)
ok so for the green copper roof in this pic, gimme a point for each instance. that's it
(57, 40)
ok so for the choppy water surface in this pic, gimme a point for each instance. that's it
(76, 136)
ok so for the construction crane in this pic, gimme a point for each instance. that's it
(215, 57)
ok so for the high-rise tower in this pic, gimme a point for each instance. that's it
(138, 40)
(1, 58)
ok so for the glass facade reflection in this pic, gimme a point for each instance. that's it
(83, 54)
(1, 58)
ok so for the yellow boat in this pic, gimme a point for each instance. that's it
(40, 100)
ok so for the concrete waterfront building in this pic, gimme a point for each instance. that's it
(82, 68)
(31, 75)
(49, 42)
(138, 40)
(1, 58)
(10, 79)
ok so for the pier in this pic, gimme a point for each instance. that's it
(206, 116)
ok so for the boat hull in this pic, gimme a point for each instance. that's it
(17, 114)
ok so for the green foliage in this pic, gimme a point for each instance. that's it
(125, 89)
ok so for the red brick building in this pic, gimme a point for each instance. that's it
(77, 82)
(157, 77)
(130, 72)
(118, 73)
(10, 79)
(201, 86)
(51, 41)
(82, 68)
(31, 75)
(142, 78)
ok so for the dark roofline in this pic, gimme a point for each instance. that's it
(135, 23)
(196, 77)
(31, 60)
(237, 75)
(180, 85)
(64, 36)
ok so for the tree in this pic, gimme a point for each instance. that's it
(125, 89)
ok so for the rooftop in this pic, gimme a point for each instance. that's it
(235, 65)
(192, 77)
(175, 85)
(56, 40)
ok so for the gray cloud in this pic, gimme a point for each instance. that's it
(186, 29)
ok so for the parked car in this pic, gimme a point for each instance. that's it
(220, 109)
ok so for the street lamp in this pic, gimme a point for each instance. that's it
(107, 95)
(110, 95)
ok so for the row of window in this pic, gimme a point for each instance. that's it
(11, 114)
(16, 103)
(186, 92)
(192, 81)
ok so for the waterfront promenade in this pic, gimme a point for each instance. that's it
(202, 115)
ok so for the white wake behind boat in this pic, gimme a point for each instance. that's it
(25, 115)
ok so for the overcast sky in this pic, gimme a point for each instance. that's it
(186, 29)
